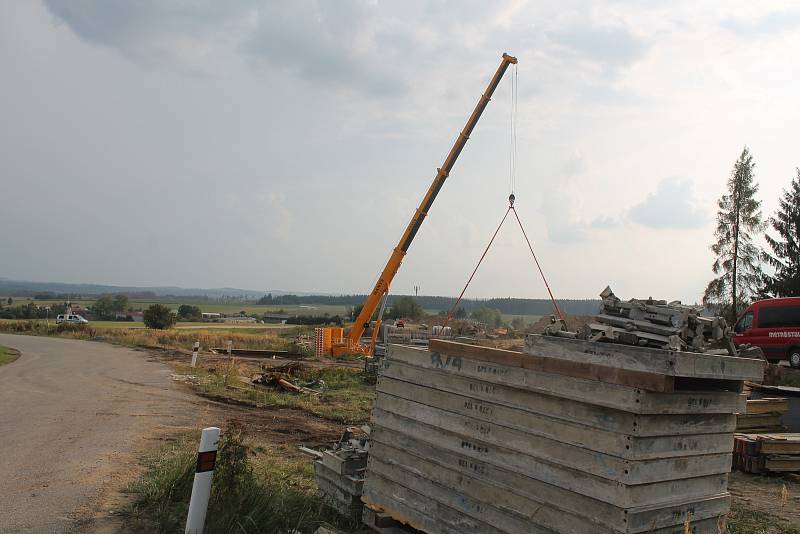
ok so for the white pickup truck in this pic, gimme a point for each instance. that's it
(71, 318)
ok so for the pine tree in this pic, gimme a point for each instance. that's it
(785, 257)
(737, 261)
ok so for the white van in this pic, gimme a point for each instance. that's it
(71, 318)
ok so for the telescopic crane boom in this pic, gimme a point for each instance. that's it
(352, 343)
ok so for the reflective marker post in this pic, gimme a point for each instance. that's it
(194, 353)
(204, 473)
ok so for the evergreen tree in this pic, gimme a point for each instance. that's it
(785, 257)
(737, 261)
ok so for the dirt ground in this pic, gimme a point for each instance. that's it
(284, 429)
(773, 495)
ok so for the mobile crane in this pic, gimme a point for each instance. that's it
(352, 342)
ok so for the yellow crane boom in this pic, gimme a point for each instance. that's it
(352, 343)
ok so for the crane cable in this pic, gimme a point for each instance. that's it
(512, 153)
(544, 279)
(511, 208)
(453, 309)
(512, 182)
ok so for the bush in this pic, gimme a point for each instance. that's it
(159, 316)
(188, 312)
(242, 500)
(405, 308)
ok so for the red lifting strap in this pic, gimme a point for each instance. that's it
(510, 208)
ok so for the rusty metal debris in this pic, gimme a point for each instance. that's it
(284, 377)
(339, 471)
(653, 323)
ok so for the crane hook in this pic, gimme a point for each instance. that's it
(511, 199)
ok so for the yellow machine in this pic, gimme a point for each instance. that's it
(352, 342)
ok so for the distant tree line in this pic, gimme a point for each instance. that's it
(508, 305)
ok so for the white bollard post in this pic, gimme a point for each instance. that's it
(204, 473)
(194, 353)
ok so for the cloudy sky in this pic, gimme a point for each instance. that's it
(285, 145)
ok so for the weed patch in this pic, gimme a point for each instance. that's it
(247, 496)
(345, 398)
(145, 337)
(7, 355)
(744, 521)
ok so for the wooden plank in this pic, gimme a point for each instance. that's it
(418, 510)
(666, 362)
(561, 408)
(578, 369)
(414, 453)
(466, 475)
(767, 405)
(782, 463)
(779, 443)
(494, 506)
(752, 422)
(625, 398)
(617, 444)
(600, 488)
(597, 463)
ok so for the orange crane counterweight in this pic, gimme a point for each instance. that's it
(352, 343)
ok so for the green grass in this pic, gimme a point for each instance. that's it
(209, 306)
(745, 521)
(252, 492)
(6, 355)
(528, 319)
(173, 338)
(347, 398)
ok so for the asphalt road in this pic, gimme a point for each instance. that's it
(73, 415)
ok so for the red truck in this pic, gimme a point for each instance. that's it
(773, 325)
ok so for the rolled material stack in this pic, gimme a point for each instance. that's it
(571, 436)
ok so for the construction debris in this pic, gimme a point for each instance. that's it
(339, 472)
(280, 377)
(256, 353)
(572, 436)
(656, 324)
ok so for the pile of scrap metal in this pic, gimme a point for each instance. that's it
(657, 324)
(339, 472)
(281, 378)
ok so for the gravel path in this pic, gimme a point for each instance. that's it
(73, 415)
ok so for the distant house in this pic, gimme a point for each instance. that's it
(277, 318)
(137, 316)
(239, 319)
(210, 316)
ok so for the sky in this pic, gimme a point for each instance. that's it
(285, 145)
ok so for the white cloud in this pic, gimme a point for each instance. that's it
(326, 120)
(671, 206)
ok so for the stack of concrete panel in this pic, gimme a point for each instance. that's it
(340, 477)
(571, 436)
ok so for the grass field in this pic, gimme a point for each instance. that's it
(210, 306)
(216, 327)
(528, 319)
(6, 356)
